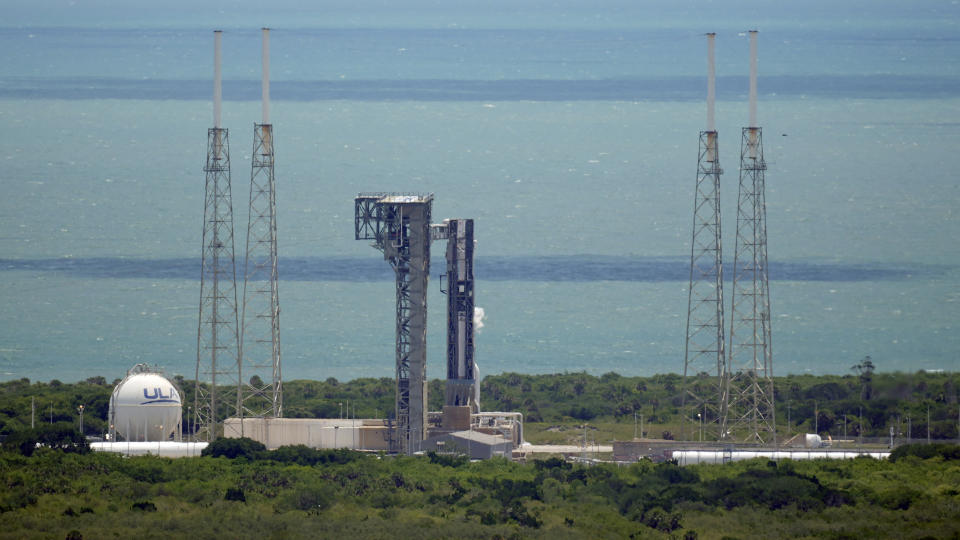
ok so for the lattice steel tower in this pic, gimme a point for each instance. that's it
(399, 225)
(218, 354)
(262, 385)
(704, 358)
(750, 415)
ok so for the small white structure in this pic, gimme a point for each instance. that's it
(145, 406)
(692, 457)
(160, 448)
(812, 440)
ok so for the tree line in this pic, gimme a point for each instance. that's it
(238, 489)
(915, 404)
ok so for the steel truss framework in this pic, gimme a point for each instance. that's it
(399, 225)
(461, 388)
(218, 354)
(750, 416)
(705, 357)
(262, 384)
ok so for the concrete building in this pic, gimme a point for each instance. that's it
(475, 444)
(354, 434)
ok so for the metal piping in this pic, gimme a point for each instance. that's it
(753, 79)
(711, 81)
(266, 75)
(217, 75)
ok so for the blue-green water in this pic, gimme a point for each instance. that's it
(569, 133)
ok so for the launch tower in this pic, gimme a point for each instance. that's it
(399, 225)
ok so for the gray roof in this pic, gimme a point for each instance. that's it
(480, 437)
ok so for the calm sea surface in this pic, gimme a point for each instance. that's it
(568, 133)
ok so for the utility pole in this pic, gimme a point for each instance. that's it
(816, 419)
(861, 424)
(789, 425)
(583, 452)
(33, 411)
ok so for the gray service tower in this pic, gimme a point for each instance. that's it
(399, 225)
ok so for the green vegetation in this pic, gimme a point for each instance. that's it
(56, 488)
(298, 492)
(554, 405)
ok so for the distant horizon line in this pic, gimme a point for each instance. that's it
(676, 88)
(541, 268)
(944, 372)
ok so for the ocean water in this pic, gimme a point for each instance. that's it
(569, 133)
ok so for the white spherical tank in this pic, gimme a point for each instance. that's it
(145, 406)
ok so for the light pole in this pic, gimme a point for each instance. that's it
(860, 417)
(816, 418)
(700, 421)
(80, 408)
(789, 427)
(634, 424)
(341, 410)
(583, 453)
(336, 429)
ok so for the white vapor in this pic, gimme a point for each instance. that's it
(478, 316)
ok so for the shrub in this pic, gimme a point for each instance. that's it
(926, 451)
(60, 436)
(234, 448)
(447, 460)
(144, 506)
(23, 442)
